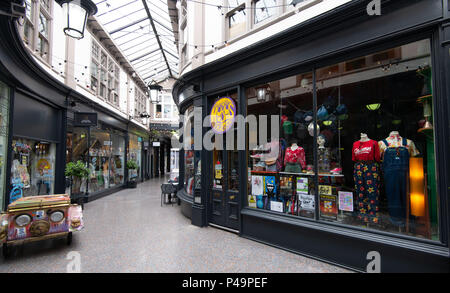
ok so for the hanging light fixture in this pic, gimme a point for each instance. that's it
(262, 93)
(76, 13)
(373, 107)
(155, 89)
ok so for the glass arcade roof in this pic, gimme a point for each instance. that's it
(128, 22)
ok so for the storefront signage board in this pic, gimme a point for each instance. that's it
(85, 119)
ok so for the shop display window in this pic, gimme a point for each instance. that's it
(32, 168)
(135, 153)
(116, 164)
(189, 154)
(281, 167)
(374, 144)
(103, 150)
(77, 150)
(99, 159)
(4, 125)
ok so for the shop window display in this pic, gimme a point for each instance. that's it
(281, 170)
(77, 150)
(99, 160)
(374, 144)
(117, 168)
(384, 147)
(4, 118)
(32, 168)
(135, 153)
(189, 155)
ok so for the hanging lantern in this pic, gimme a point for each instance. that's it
(262, 93)
(76, 13)
(155, 89)
(373, 107)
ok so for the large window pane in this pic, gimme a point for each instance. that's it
(376, 142)
(281, 166)
(99, 155)
(32, 168)
(4, 126)
(116, 164)
(134, 153)
(189, 159)
(265, 9)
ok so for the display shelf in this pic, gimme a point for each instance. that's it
(265, 172)
(312, 174)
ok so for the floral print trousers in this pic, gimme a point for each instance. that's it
(367, 185)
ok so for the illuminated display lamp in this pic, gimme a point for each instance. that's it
(417, 187)
(155, 90)
(262, 92)
(76, 13)
(373, 107)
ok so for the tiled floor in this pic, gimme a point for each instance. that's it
(129, 232)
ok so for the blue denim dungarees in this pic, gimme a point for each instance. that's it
(395, 167)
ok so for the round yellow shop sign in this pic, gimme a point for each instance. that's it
(223, 114)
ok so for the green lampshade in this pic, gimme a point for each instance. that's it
(373, 107)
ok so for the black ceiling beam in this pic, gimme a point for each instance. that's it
(157, 37)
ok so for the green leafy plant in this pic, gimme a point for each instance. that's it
(77, 169)
(132, 165)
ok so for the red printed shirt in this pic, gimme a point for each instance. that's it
(366, 151)
(295, 157)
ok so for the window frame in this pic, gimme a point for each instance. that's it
(228, 16)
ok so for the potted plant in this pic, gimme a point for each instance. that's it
(77, 172)
(132, 166)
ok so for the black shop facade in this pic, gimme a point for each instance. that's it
(361, 171)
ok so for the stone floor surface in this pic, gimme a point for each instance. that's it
(129, 232)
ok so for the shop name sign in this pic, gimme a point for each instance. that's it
(223, 114)
(85, 119)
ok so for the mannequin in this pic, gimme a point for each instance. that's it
(294, 159)
(396, 152)
(366, 155)
(364, 137)
(323, 154)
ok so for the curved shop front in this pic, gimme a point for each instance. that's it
(360, 167)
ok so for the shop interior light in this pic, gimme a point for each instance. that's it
(417, 187)
(76, 13)
(155, 90)
(373, 107)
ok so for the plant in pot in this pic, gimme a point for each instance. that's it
(77, 172)
(132, 167)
